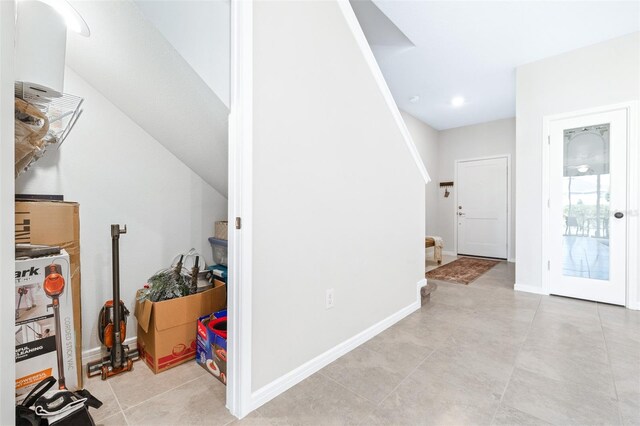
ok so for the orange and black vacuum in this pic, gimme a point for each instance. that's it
(53, 287)
(112, 323)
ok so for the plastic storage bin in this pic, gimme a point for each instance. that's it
(219, 248)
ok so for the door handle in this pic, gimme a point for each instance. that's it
(618, 215)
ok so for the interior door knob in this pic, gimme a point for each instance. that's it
(618, 215)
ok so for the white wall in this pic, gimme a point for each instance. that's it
(425, 138)
(475, 141)
(120, 174)
(7, 230)
(338, 200)
(439, 151)
(189, 25)
(133, 65)
(602, 74)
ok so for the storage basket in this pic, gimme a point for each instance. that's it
(221, 230)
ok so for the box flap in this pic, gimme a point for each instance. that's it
(143, 314)
(187, 310)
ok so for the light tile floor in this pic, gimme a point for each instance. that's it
(476, 354)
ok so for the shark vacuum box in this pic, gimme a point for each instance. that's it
(45, 338)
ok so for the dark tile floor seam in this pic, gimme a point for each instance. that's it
(157, 395)
(515, 362)
(606, 348)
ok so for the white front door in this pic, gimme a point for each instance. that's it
(587, 207)
(482, 207)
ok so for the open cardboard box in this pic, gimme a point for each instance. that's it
(167, 329)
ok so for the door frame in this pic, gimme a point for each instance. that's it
(7, 197)
(632, 292)
(239, 394)
(509, 208)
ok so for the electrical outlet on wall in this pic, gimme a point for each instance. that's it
(329, 298)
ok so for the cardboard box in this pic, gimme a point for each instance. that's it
(56, 223)
(166, 336)
(211, 348)
(37, 349)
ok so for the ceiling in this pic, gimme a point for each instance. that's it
(199, 30)
(472, 48)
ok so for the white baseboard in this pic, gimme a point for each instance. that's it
(449, 253)
(530, 289)
(634, 306)
(512, 260)
(95, 354)
(421, 284)
(282, 384)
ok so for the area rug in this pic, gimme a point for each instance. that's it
(462, 271)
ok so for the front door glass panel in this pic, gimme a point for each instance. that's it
(586, 197)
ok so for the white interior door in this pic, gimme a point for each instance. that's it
(587, 207)
(482, 207)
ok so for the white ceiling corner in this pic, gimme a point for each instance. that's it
(472, 48)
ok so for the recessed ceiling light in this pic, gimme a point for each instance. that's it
(457, 101)
(414, 99)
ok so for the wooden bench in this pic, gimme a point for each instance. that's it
(437, 250)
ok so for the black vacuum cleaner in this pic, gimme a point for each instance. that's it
(112, 323)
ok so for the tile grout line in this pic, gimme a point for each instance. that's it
(161, 393)
(402, 381)
(343, 386)
(118, 402)
(362, 396)
(513, 369)
(108, 417)
(606, 347)
(356, 393)
(376, 352)
(378, 404)
(231, 421)
(426, 358)
(235, 419)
